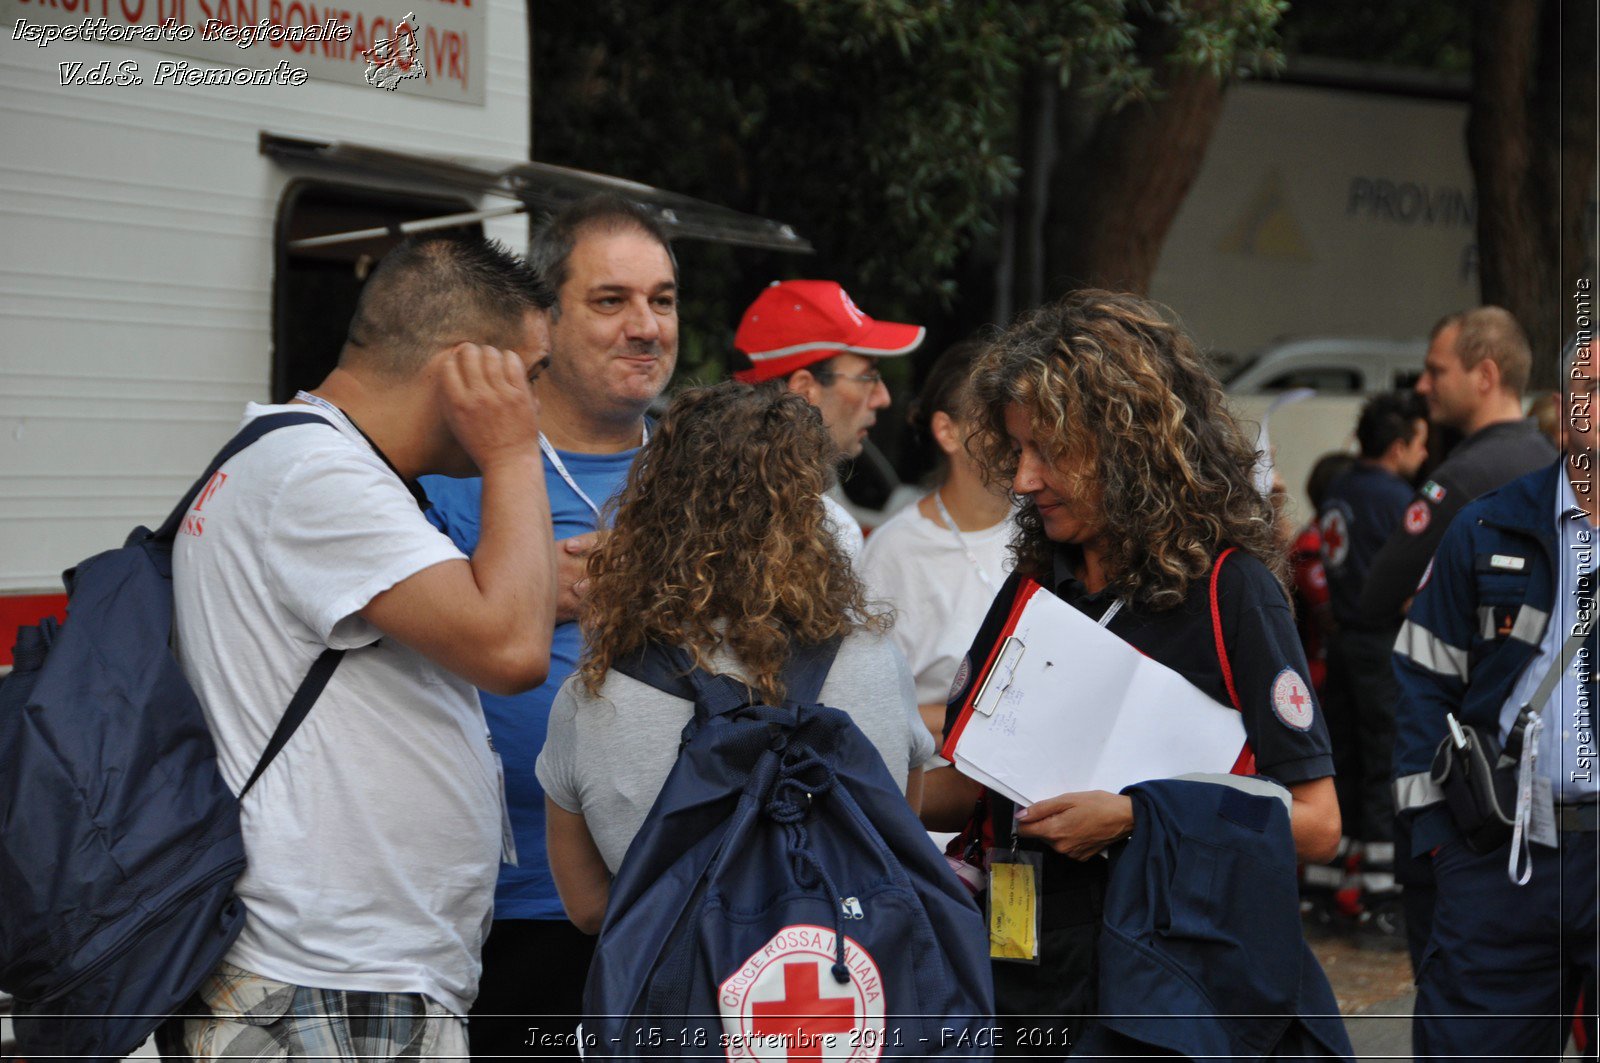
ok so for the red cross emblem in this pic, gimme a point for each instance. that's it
(804, 1014)
(1291, 700)
(1417, 517)
(1335, 538)
(783, 1004)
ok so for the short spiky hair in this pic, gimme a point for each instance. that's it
(550, 253)
(430, 292)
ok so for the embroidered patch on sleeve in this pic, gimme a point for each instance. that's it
(1417, 517)
(1433, 492)
(1291, 700)
(1335, 538)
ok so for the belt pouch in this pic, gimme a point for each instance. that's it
(1481, 798)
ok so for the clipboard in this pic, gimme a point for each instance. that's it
(1063, 705)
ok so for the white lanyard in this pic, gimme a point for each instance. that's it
(1111, 611)
(961, 541)
(561, 468)
(1522, 820)
(322, 403)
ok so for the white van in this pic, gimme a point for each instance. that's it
(160, 193)
(1332, 365)
(1343, 372)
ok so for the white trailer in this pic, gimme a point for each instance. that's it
(155, 188)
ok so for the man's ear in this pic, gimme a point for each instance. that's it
(945, 432)
(1487, 373)
(804, 384)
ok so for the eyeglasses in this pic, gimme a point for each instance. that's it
(871, 378)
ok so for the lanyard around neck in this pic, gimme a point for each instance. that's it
(323, 404)
(561, 467)
(1112, 610)
(961, 541)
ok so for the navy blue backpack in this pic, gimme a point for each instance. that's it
(119, 841)
(782, 901)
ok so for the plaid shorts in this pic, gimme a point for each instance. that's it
(256, 1018)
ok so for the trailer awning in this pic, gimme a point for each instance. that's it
(540, 186)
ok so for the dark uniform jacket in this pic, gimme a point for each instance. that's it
(1483, 461)
(1249, 656)
(1202, 953)
(1242, 650)
(1476, 623)
(1361, 510)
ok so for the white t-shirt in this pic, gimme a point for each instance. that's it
(373, 839)
(940, 600)
(846, 529)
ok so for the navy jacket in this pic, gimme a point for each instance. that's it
(1489, 458)
(1477, 621)
(1360, 511)
(1201, 953)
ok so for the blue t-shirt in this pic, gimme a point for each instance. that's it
(518, 723)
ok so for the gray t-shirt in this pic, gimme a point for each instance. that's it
(606, 757)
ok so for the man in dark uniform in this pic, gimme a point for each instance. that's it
(1514, 943)
(1360, 509)
(1473, 378)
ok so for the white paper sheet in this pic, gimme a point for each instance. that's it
(1086, 711)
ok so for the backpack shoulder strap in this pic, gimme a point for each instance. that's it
(299, 707)
(808, 669)
(323, 667)
(670, 670)
(666, 668)
(1216, 631)
(245, 437)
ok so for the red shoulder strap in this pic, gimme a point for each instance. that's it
(1246, 764)
(1216, 631)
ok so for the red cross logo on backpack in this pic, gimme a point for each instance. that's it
(784, 1005)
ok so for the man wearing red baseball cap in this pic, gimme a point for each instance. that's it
(811, 334)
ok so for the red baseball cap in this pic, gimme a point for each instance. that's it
(794, 324)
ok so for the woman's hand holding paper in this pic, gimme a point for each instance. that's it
(1078, 825)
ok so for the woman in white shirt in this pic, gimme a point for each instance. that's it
(939, 562)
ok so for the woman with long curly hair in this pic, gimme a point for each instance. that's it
(1135, 487)
(720, 547)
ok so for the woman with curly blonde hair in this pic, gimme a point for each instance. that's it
(1137, 508)
(720, 547)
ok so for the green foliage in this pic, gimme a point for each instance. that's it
(1433, 34)
(883, 130)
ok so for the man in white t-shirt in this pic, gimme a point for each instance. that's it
(374, 838)
(810, 334)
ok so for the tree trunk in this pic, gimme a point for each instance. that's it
(1578, 108)
(1530, 138)
(1036, 156)
(1113, 202)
